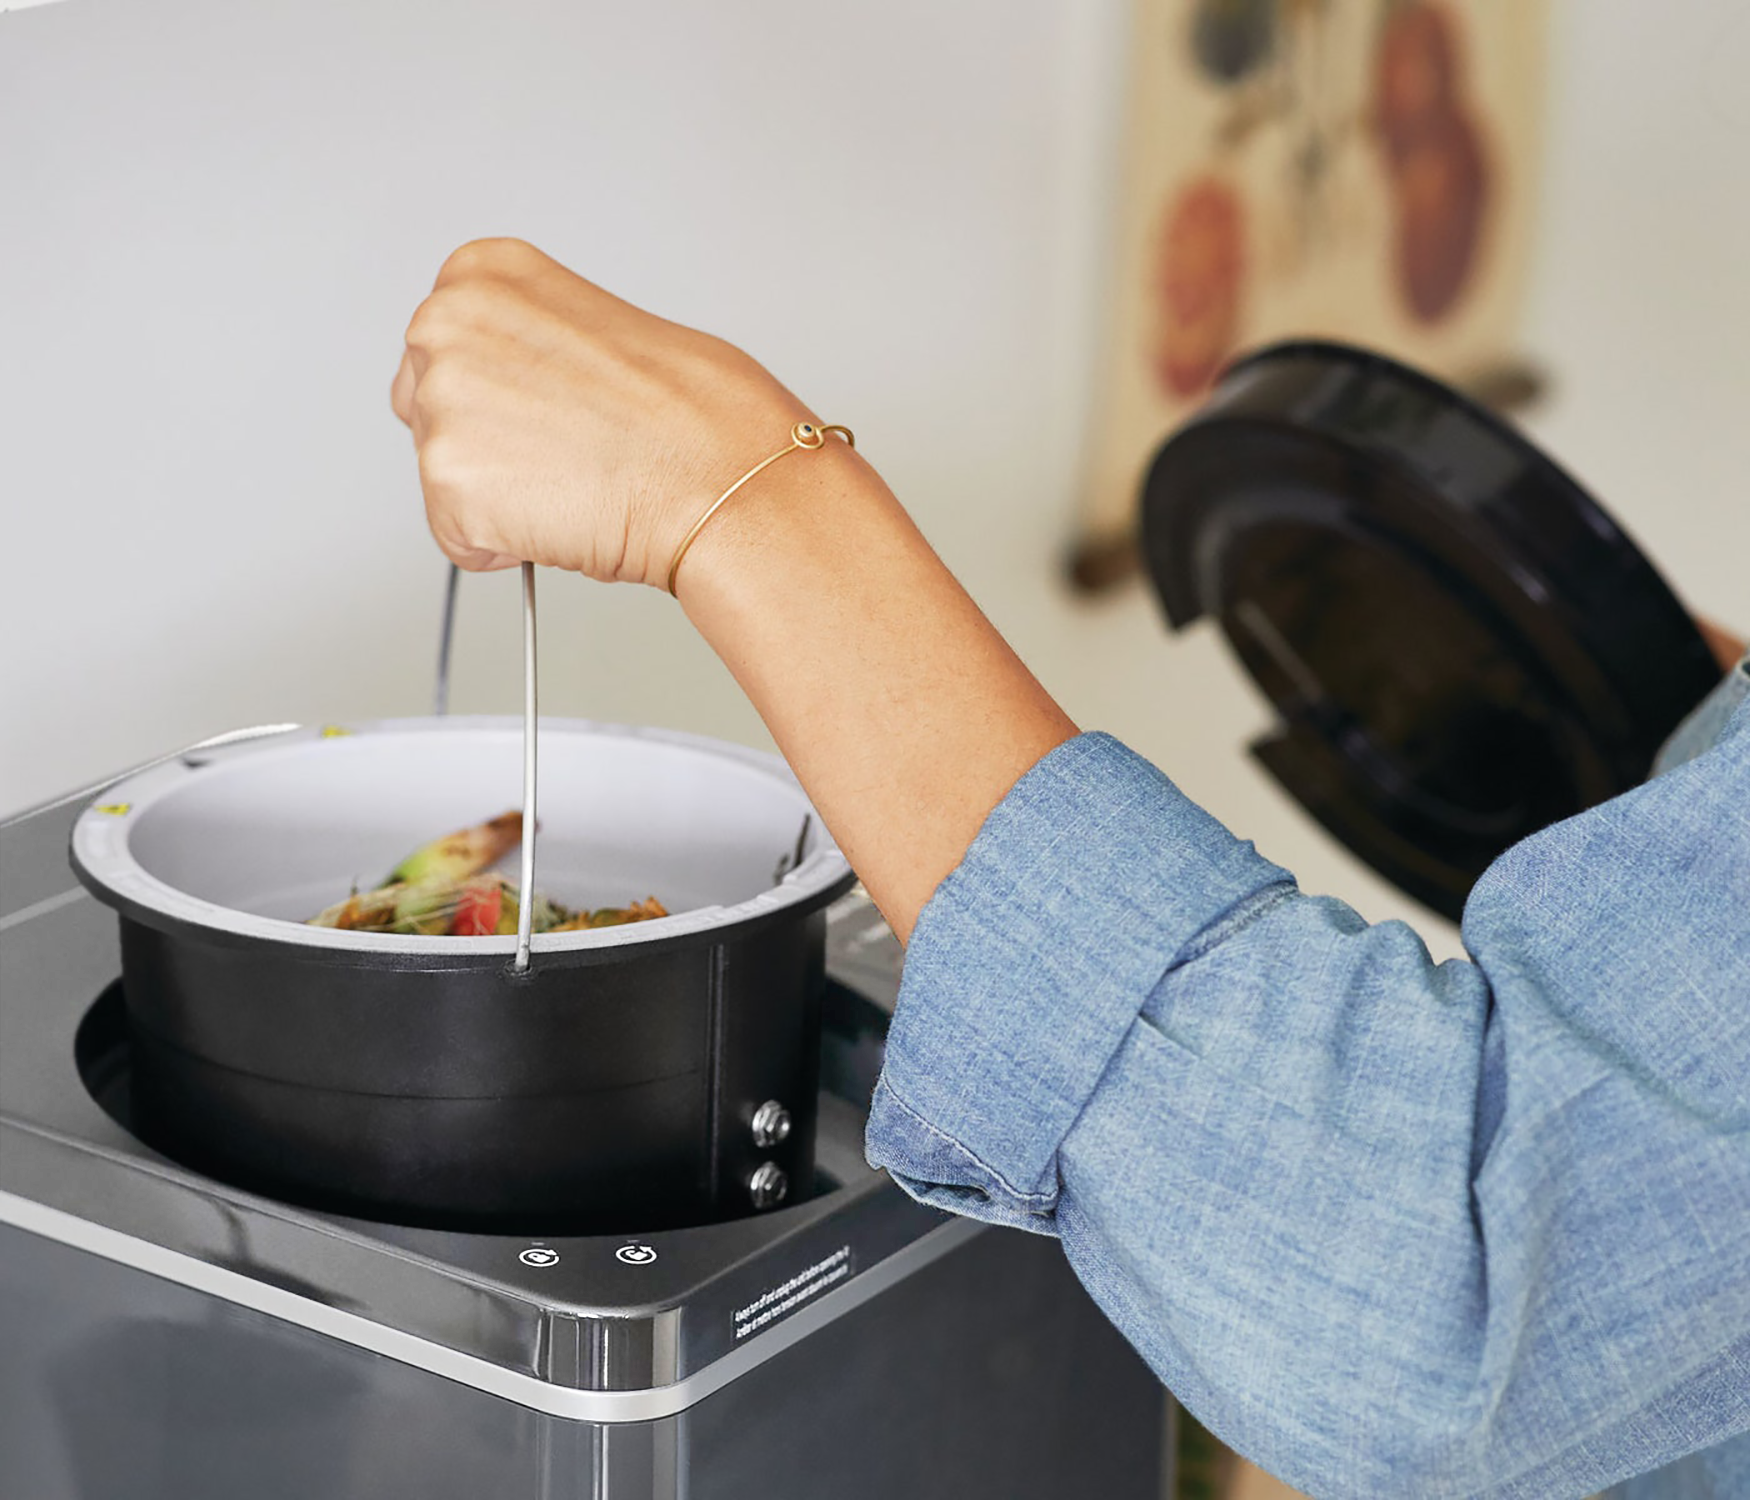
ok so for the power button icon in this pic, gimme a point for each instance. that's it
(635, 1255)
(539, 1255)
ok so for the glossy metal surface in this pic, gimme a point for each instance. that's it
(585, 1321)
(983, 1373)
(172, 1338)
(771, 1125)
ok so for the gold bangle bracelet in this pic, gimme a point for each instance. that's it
(802, 435)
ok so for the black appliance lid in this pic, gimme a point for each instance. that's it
(1461, 645)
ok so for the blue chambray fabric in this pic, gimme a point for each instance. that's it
(1703, 727)
(1388, 1227)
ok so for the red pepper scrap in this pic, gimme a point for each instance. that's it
(478, 910)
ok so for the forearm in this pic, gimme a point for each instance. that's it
(904, 713)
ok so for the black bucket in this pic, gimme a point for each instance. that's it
(614, 1086)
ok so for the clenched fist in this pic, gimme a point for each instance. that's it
(557, 424)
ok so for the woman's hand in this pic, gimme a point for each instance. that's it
(559, 425)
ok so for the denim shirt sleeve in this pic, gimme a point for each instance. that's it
(1387, 1226)
(1703, 726)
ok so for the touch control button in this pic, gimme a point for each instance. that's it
(771, 1125)
(768, 1185)
(635, 1255)
(539, 1255)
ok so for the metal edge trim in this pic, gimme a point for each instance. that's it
(103, 859)
(605, 1407)
(86, 793)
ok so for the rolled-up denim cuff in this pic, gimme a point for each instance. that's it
(938, 1170)
(1028, 966)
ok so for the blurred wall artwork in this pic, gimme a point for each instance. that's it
(1354, 169)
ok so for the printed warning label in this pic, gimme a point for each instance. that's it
(785, 1298)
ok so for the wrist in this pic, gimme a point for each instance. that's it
(734, 415)
(901, 710)
(777, 513)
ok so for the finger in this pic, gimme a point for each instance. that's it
(471, 559)
(401, 389)
(448, 535)
(474, 560)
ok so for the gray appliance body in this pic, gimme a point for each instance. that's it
(164, 1336)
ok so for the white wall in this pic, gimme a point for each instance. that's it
(1642, 302)
(215, 218)
(218, 217)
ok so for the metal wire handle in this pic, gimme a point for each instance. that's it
(440, 698)
(525, 917)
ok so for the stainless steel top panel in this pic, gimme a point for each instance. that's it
(603, 1328)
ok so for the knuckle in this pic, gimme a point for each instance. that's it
(427, 324)
(512, 255)
(496, 256)
(459, 309)
(465, 260)
(442, 467)
(434, 390)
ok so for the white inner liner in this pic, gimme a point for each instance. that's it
(268, 833)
